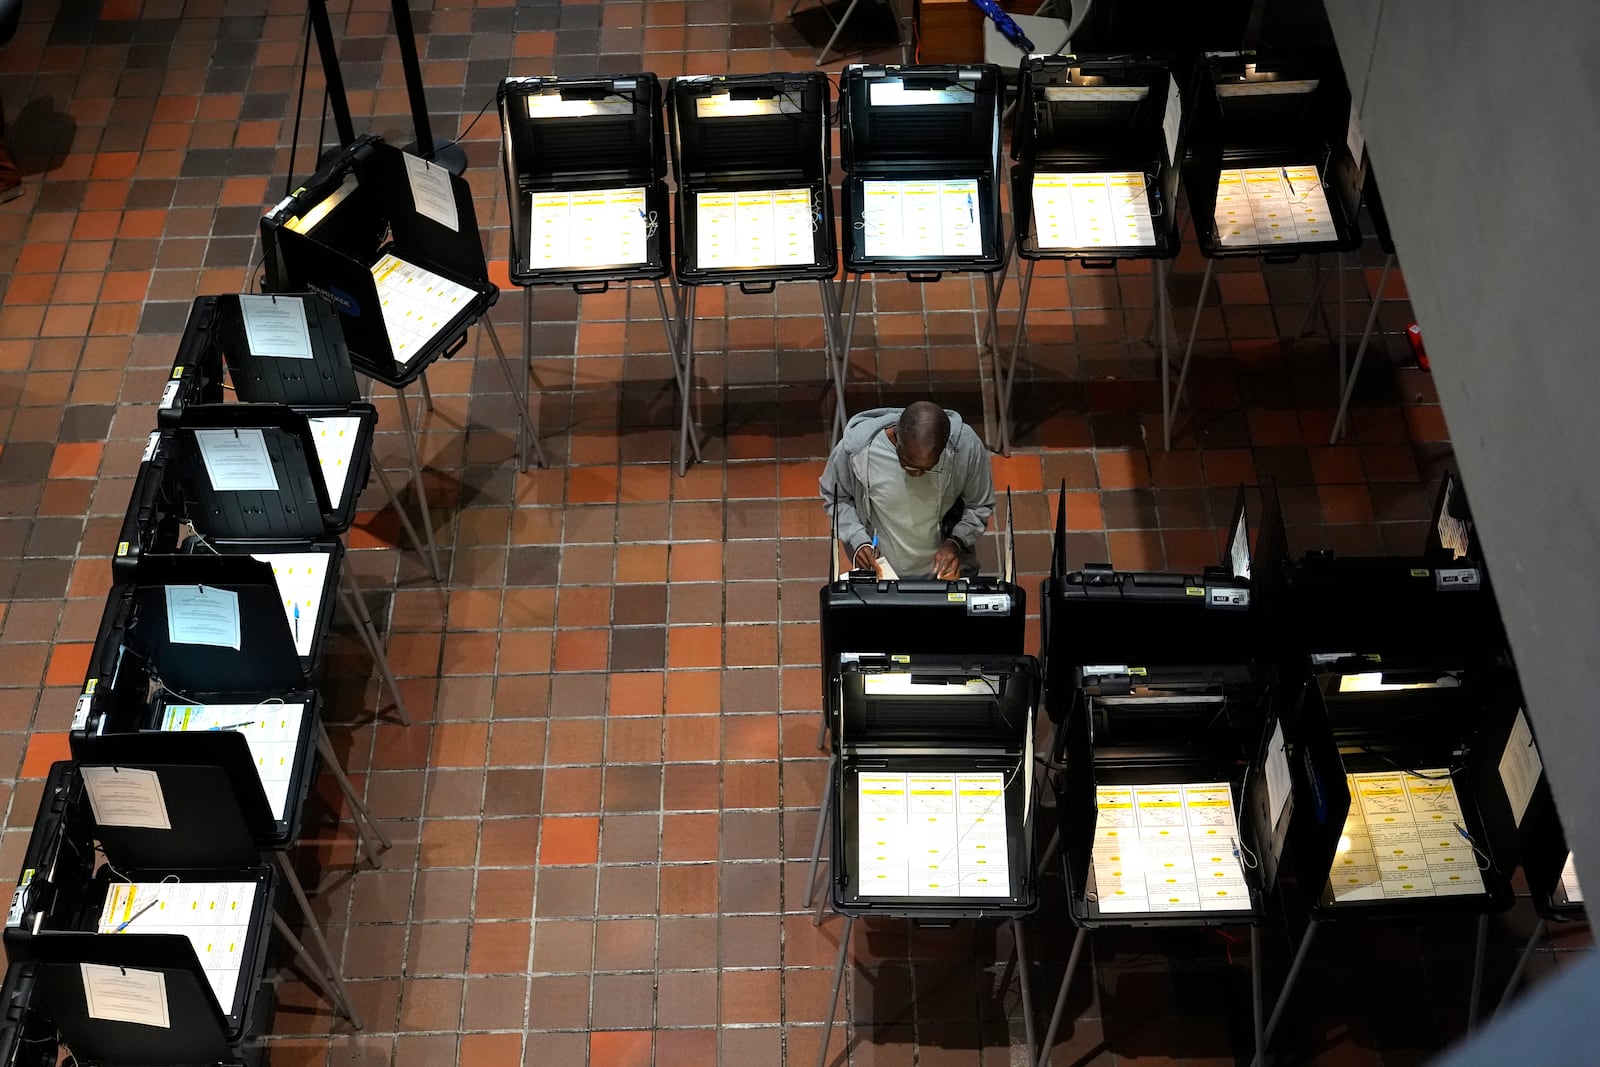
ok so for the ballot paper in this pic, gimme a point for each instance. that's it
(1403, 838)
(921, 219)
(214, 916)
(755, 228)
(416, 303)
(587, 228)
(276, 326)
(1107, 209)
(271, 729)
(202, 615)
(335, 437)
(1569, 881)
(236, 460)
(933, 834)
(302, 578)
(431, 192)
(1167, 848)
(1264, 206)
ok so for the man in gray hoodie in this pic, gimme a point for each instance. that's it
(911, 485)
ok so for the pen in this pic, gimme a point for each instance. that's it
(129, 920)
(232, 725)
(297, 624)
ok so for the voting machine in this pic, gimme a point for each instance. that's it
(1274, 160)
(920, 147)
(751, 157)
(1095, 157)
(585, 166)
(285, 349)
(391, 240)
(933, 813)
(28, 1038)
(250, 714)
(159, 949)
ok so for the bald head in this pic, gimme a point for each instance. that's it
(923, 431)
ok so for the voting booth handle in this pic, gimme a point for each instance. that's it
(758, 288)
(921, 276)
(455, 346)
(1098, 264)
(590, 288)
(1280, 257)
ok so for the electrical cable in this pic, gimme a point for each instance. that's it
(299, 108)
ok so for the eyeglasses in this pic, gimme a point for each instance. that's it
(911, 468)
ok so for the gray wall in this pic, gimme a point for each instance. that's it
(1483, 121)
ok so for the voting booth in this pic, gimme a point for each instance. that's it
(285, 349)
(1094, 176)
(1408, 753)
(157, 953)
(754, 207)
(1171, 777)
(1272, 169)
(178, 510)
(586, 165)
(920, 147)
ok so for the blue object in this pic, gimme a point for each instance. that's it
(1005, 24)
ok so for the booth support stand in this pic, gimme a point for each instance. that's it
(1347, 383)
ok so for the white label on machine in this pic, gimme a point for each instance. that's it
(1520, 766)
(723, 106)
(552, 106)
(896, 94)
(169, 393)
(1291, 87)
(1067, 93)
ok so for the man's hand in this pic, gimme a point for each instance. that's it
(947, 561)
(866, 558)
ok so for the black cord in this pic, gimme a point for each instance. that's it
(1445, 777)
(484, 108)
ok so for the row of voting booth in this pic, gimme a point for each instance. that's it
(1268, 152)
(160, 867)
(1341, 739)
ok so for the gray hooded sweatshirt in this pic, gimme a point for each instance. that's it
(962, 475)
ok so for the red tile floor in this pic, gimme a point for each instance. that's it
(602, 815)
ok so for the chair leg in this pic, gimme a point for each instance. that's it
(354, 603)
(359, 812)
(838, 980)
(336, 987)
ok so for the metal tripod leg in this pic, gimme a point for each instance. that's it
(1004, 377)
(1050, 850)
(849, 333)
(1188, 350)
(668, 321)
(427, 394)
(429, 561)
(1061, 997)
(1344, 370)
(336, 980)
(1278, 1005)
(687, 437)
(353, 601)
(523, 409)
(1163, 324)
(317, 974)
(527, 364)
(838, 28)
(822, 824)
(836, 368)
(838, 980)
(1361, 353)
(1477, 973)
(1537, 939)
(1024, 988)
(410, 430)
(1316, 302)
(359, 813)
(996, 285)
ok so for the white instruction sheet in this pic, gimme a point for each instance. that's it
(1167, 848)
(417, 304)
(214, 916)
(431, 193)
(1404, 837)
(125, 995)
(202, 615)
(276, 326)
(126, 796)
(335, 437)
(1520, 766)
(587, 228)
(921, 219)
(1092, 210)
(237, 460)
(1569, 881)
(1263, 206)
(754, 228)
(302, 580)
(272, 730)
(935, 834)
